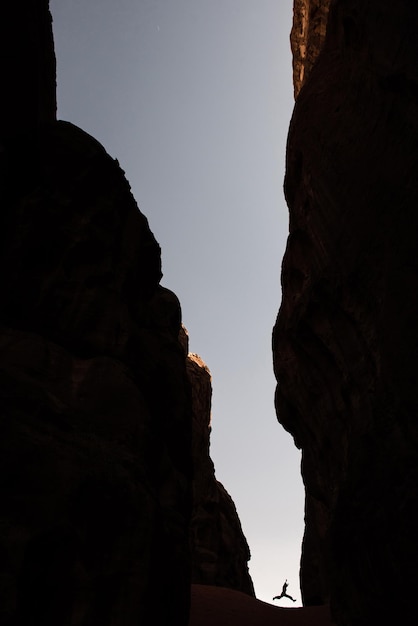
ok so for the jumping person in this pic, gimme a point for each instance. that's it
(283, 593)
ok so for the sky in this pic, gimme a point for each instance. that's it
(194, 99)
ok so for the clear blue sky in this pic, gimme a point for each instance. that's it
(194, 98)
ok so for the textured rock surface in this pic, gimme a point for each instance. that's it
(96, 418)
(346, 337)
(96, 410)
(95, 422)
(220, 552)
(307, 37)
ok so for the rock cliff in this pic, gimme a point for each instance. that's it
(220, 552)
(346, 335)
(96, 404)
(27, 66)
(307, 37)
(96, 422)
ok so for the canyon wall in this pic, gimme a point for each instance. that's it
(220, 552)
(346, 334)
(27, 66)
(95, 442)
(309, 28)
(96, 463)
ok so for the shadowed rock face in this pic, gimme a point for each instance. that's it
(220, 552)
(95, 441)
(95, 422)
(27, 66)
(96, 403)
(346, 335)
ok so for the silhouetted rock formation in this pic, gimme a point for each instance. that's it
(27, 66)
(96, 409)
(346, 336)
(95, 441)
(220, 552)
(96, 403)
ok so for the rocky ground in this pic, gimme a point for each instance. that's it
(217, 606)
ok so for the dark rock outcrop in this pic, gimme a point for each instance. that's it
(96, 412)
(220, 552)
(346, 335)
(95, 460)
(95, 422)
(27, 67)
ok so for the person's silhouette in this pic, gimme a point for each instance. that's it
(283, 593)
